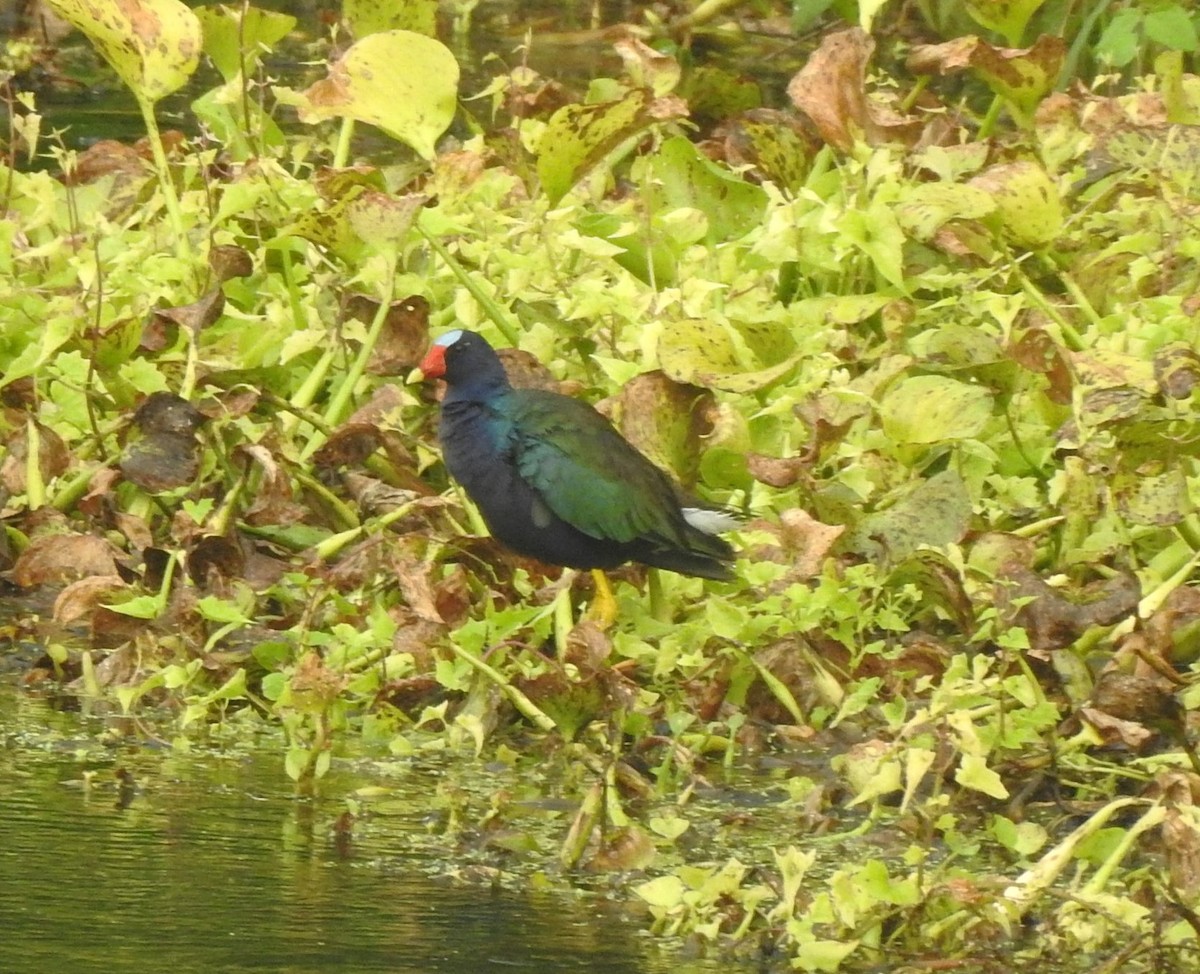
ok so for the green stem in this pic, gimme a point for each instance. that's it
(494, 311)
(526, 706)
(182, 247)
(35, 487)
(339, 405)
(341, 151)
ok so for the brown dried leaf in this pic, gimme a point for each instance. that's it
(1115, 730)
(1177, 370)
(830, 89)
(63, 557)
(1054, 621)
(1181, 844)
(413, 577)
(161, 461)
(273, 498)
(1145, 700)
(405, 333)
(1023, 77)
(228, 261)
(1035, 350)
(195, 317)
(53, 457)
(808, 540)
(165, 412)
(83, 596)
(104, 158)
(588, 648)
(776, 471)
(215, 560)
(526, 372)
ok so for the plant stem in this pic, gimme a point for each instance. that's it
(182, 248)
(494, 311)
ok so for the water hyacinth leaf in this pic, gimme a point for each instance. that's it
(382, 220)
(399, 81)
(704, 353)
(236, 40)
(932, 408)
(113, 345)
(365, 17)
(929, 206)
(1159, 499)
(665, 419)
(934, 512)
(685, 178)
(1022, 77)
(648, 261)
(714, 93)
(579, 137)
(1177, 370)
(154, 45)
(1028, 203)
(775, 144)
(1005, 17)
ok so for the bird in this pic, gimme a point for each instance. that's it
(555, 481)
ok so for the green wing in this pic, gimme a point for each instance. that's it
(587, 473)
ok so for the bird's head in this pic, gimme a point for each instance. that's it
(464, 360)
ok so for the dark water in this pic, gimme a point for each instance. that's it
(210, 864)
(566, 43)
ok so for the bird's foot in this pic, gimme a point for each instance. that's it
(602, 612)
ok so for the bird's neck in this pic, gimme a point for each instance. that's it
(480, 388)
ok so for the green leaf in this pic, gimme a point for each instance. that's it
(142, 607)
(400, 81)
(664, 892)
(154, 45)
(579, 137)
(365, 17)
(685, 178)
(1006, 17)
(221, 611)
(236, 39)
(1028, 203)
(974, 773)
(712, 355)
(932, 408)
(1119, 43)
(1172, 27)
(927, 207)
(876, 232)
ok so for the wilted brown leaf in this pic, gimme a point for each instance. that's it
(83, 596)
(405, 333)
(53, 457)
(62, 557)
(273, 497)
(214, 560)
(161, 461)
(1022, 77)
(1034, 349)
(1177, 369)
(413, 577)
(831, 90)
(776, 471)
(1054, 621)
(195, 317)
(228, 261)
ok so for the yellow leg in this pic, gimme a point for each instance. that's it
(603, 610)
